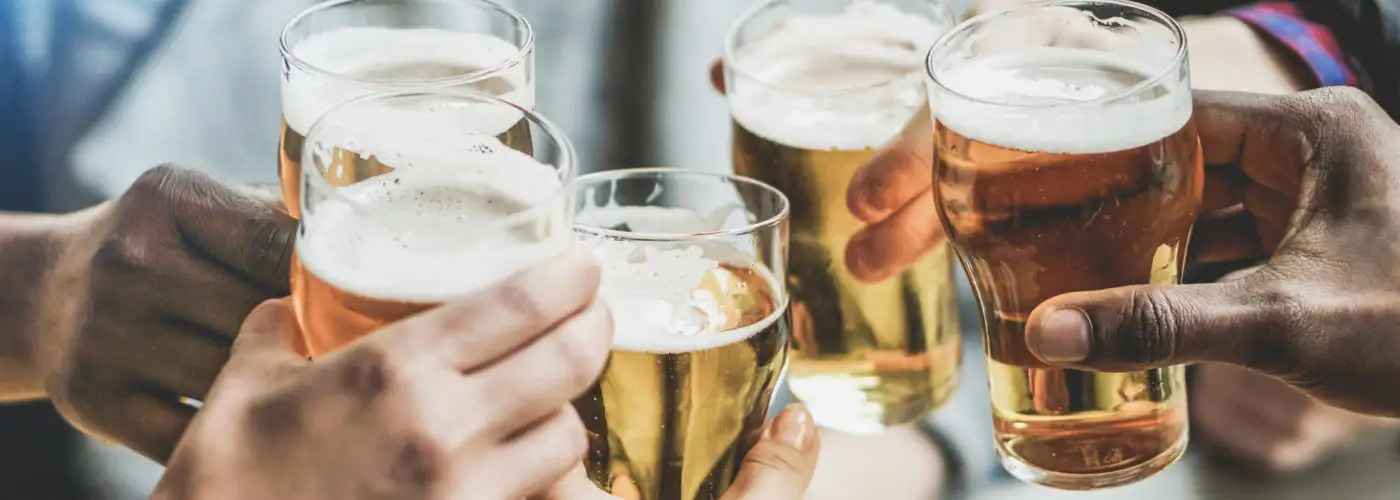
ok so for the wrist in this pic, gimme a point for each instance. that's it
(32, 250)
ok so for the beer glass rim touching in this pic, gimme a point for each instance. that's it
(566, 167)
(520, 57)
(584, 181)
(945, 47)
(736, 33)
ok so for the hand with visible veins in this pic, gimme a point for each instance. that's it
(471, 399)
(119, 311)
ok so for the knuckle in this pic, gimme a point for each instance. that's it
(520, 300)
(270, 247)
(417, 463)
(366, 372)
(1283, 309)
(123, 253)
(1152, 330)
(158, 183)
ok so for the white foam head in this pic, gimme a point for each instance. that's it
(651, 287)
(368, 60)
(437, 230)
(844, 81)
(1051, 99)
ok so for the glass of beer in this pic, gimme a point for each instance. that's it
(1065, 160)
(411, 199)
(693, 268)
(343, 49)
(814, 88)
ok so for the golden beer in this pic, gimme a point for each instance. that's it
(415, 200)
(336, 52)
(1060, 170)
(701, 337)
(811, 102)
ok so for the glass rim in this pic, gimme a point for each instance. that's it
(594, 178)
(566, 170)
(939, 49)
(519, 57)
(730, 61)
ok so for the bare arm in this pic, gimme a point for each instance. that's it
(29, 249)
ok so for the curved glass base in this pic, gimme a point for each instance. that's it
(1081, 482)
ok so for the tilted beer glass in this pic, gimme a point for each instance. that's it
(693, 270)
(1065, 160)
(412, 199)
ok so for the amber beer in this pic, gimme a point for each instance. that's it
(456, 211)
(701, 338)
(341, 50)
(1060, 170)
(811, 102)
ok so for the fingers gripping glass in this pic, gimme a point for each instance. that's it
(412, 199)
(815, 87)
(694, 272)
(1065, 160)
(344, 49)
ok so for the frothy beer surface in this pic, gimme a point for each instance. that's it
(366, 60)
(432, 228)
(678, 297)
(1061, 100)
(872, 53)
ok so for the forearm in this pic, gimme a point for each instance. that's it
(29, 248)
(1228, 54)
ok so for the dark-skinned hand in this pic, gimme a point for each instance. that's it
(1313, 181)
(143, 299)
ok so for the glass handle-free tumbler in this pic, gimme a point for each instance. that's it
(1066, 160)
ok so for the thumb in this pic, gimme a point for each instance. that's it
(1139, 327)
(780, 467)
(264, 346)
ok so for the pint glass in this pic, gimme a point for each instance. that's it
(814, 88)
(343, 49)
(412, 199)
(1065, 160)
(693, 270)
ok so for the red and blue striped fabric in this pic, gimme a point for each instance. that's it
(1313, 43)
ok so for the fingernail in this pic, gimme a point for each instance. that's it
(1063, 336)
(795, 428)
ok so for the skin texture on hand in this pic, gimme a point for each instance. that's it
(467, 400)
(140, 299)
(779, 467)
(1317, 176)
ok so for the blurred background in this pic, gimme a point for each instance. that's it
(114, 87)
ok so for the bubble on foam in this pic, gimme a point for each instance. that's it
(807, 68)
(436, 231)
(1030, 100)
(394, 58)
(652, 287)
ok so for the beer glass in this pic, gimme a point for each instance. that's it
(814, 88)
(693, 270)
(1066, 160)
(343, 49)
(411, 199)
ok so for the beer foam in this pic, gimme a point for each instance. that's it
(378, 59)
(434, 231)
(845, 81)
(652, 287)
(1034, 100)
